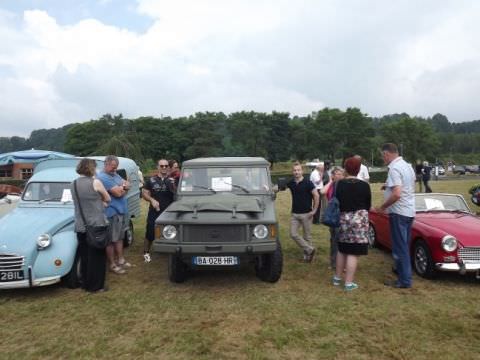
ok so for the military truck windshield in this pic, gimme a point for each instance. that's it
(224, 179)
(47, 191)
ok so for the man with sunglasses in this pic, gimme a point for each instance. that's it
(158, 191)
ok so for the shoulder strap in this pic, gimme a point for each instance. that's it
(79, 203)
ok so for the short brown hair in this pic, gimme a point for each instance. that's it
(390, 147)
(352, 165)
(296, 163)
(86, 167)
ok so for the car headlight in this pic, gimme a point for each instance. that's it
(44, 241)
(449, 243)
(260, 231)
(169, 232)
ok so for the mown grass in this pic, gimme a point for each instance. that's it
(232, 315)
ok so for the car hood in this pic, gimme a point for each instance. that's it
(465, 227)
(20, 228)
(225, 202)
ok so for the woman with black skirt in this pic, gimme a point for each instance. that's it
(93, 197)
(355, 200)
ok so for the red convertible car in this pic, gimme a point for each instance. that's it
(445, 235)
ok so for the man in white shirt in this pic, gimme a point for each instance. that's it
(399, 202)
(316, 177)
(363, 173)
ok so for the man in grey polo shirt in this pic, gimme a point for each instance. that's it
(399, 202)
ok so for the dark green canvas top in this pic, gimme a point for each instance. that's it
(217, 202)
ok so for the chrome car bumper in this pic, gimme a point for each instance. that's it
(26, 283)
(458, 267)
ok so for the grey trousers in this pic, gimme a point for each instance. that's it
(304, 221)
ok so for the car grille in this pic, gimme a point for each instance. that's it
(214, 233)
(10, 262)
(469, 254)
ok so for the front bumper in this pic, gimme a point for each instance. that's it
(166, 247)
(469, 267)
(26, 283)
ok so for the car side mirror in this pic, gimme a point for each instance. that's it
(282, 184)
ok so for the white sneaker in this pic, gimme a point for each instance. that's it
(147, 258)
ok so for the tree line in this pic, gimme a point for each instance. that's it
(277, 136)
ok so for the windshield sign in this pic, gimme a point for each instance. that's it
(47, 191)
(440, 202)
(225, 179)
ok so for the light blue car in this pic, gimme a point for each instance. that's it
(38, 245)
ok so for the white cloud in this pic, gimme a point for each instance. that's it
(214, 55)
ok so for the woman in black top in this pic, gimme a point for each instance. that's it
(355, 200)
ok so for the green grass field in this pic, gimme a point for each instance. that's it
(233, 315)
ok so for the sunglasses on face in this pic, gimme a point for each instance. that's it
(163, 166)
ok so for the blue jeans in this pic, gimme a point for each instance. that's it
(400, 233)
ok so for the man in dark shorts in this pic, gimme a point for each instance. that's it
(158, 191)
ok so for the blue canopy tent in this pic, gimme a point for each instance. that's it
(18, 165)
(31, 156)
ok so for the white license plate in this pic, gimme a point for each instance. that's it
(6, 276)
(215, 260)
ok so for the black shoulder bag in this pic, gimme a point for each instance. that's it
(97, 236)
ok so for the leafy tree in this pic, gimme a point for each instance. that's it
(277, 140)
(299, 147)
(248, 132)
(49, 139)
(207, 139)
(5, 145)
(416, 138)
(440, 123)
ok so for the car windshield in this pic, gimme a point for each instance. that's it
(440, 202)
(224, 179)
(47, 191)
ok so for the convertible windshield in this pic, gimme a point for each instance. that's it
(47, 191)
(225, 179)
(440, 202)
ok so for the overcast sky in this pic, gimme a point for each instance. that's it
(64, 61)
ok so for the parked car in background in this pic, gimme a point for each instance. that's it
(459, 170)
(473, 169)
(38, 245)
(441, 170)
(444, 235)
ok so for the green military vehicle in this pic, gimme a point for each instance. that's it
(223, 216)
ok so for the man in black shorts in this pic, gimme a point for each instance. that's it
(158, 191)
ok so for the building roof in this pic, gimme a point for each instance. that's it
(31, 156)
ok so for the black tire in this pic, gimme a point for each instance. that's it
(129, 235)
(72, 279)
(177, 270)
(268, 267)
(422, 260)
(372, 236)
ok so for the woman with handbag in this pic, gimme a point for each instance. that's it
(328, 191)
(355, 200)
(90, 199)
